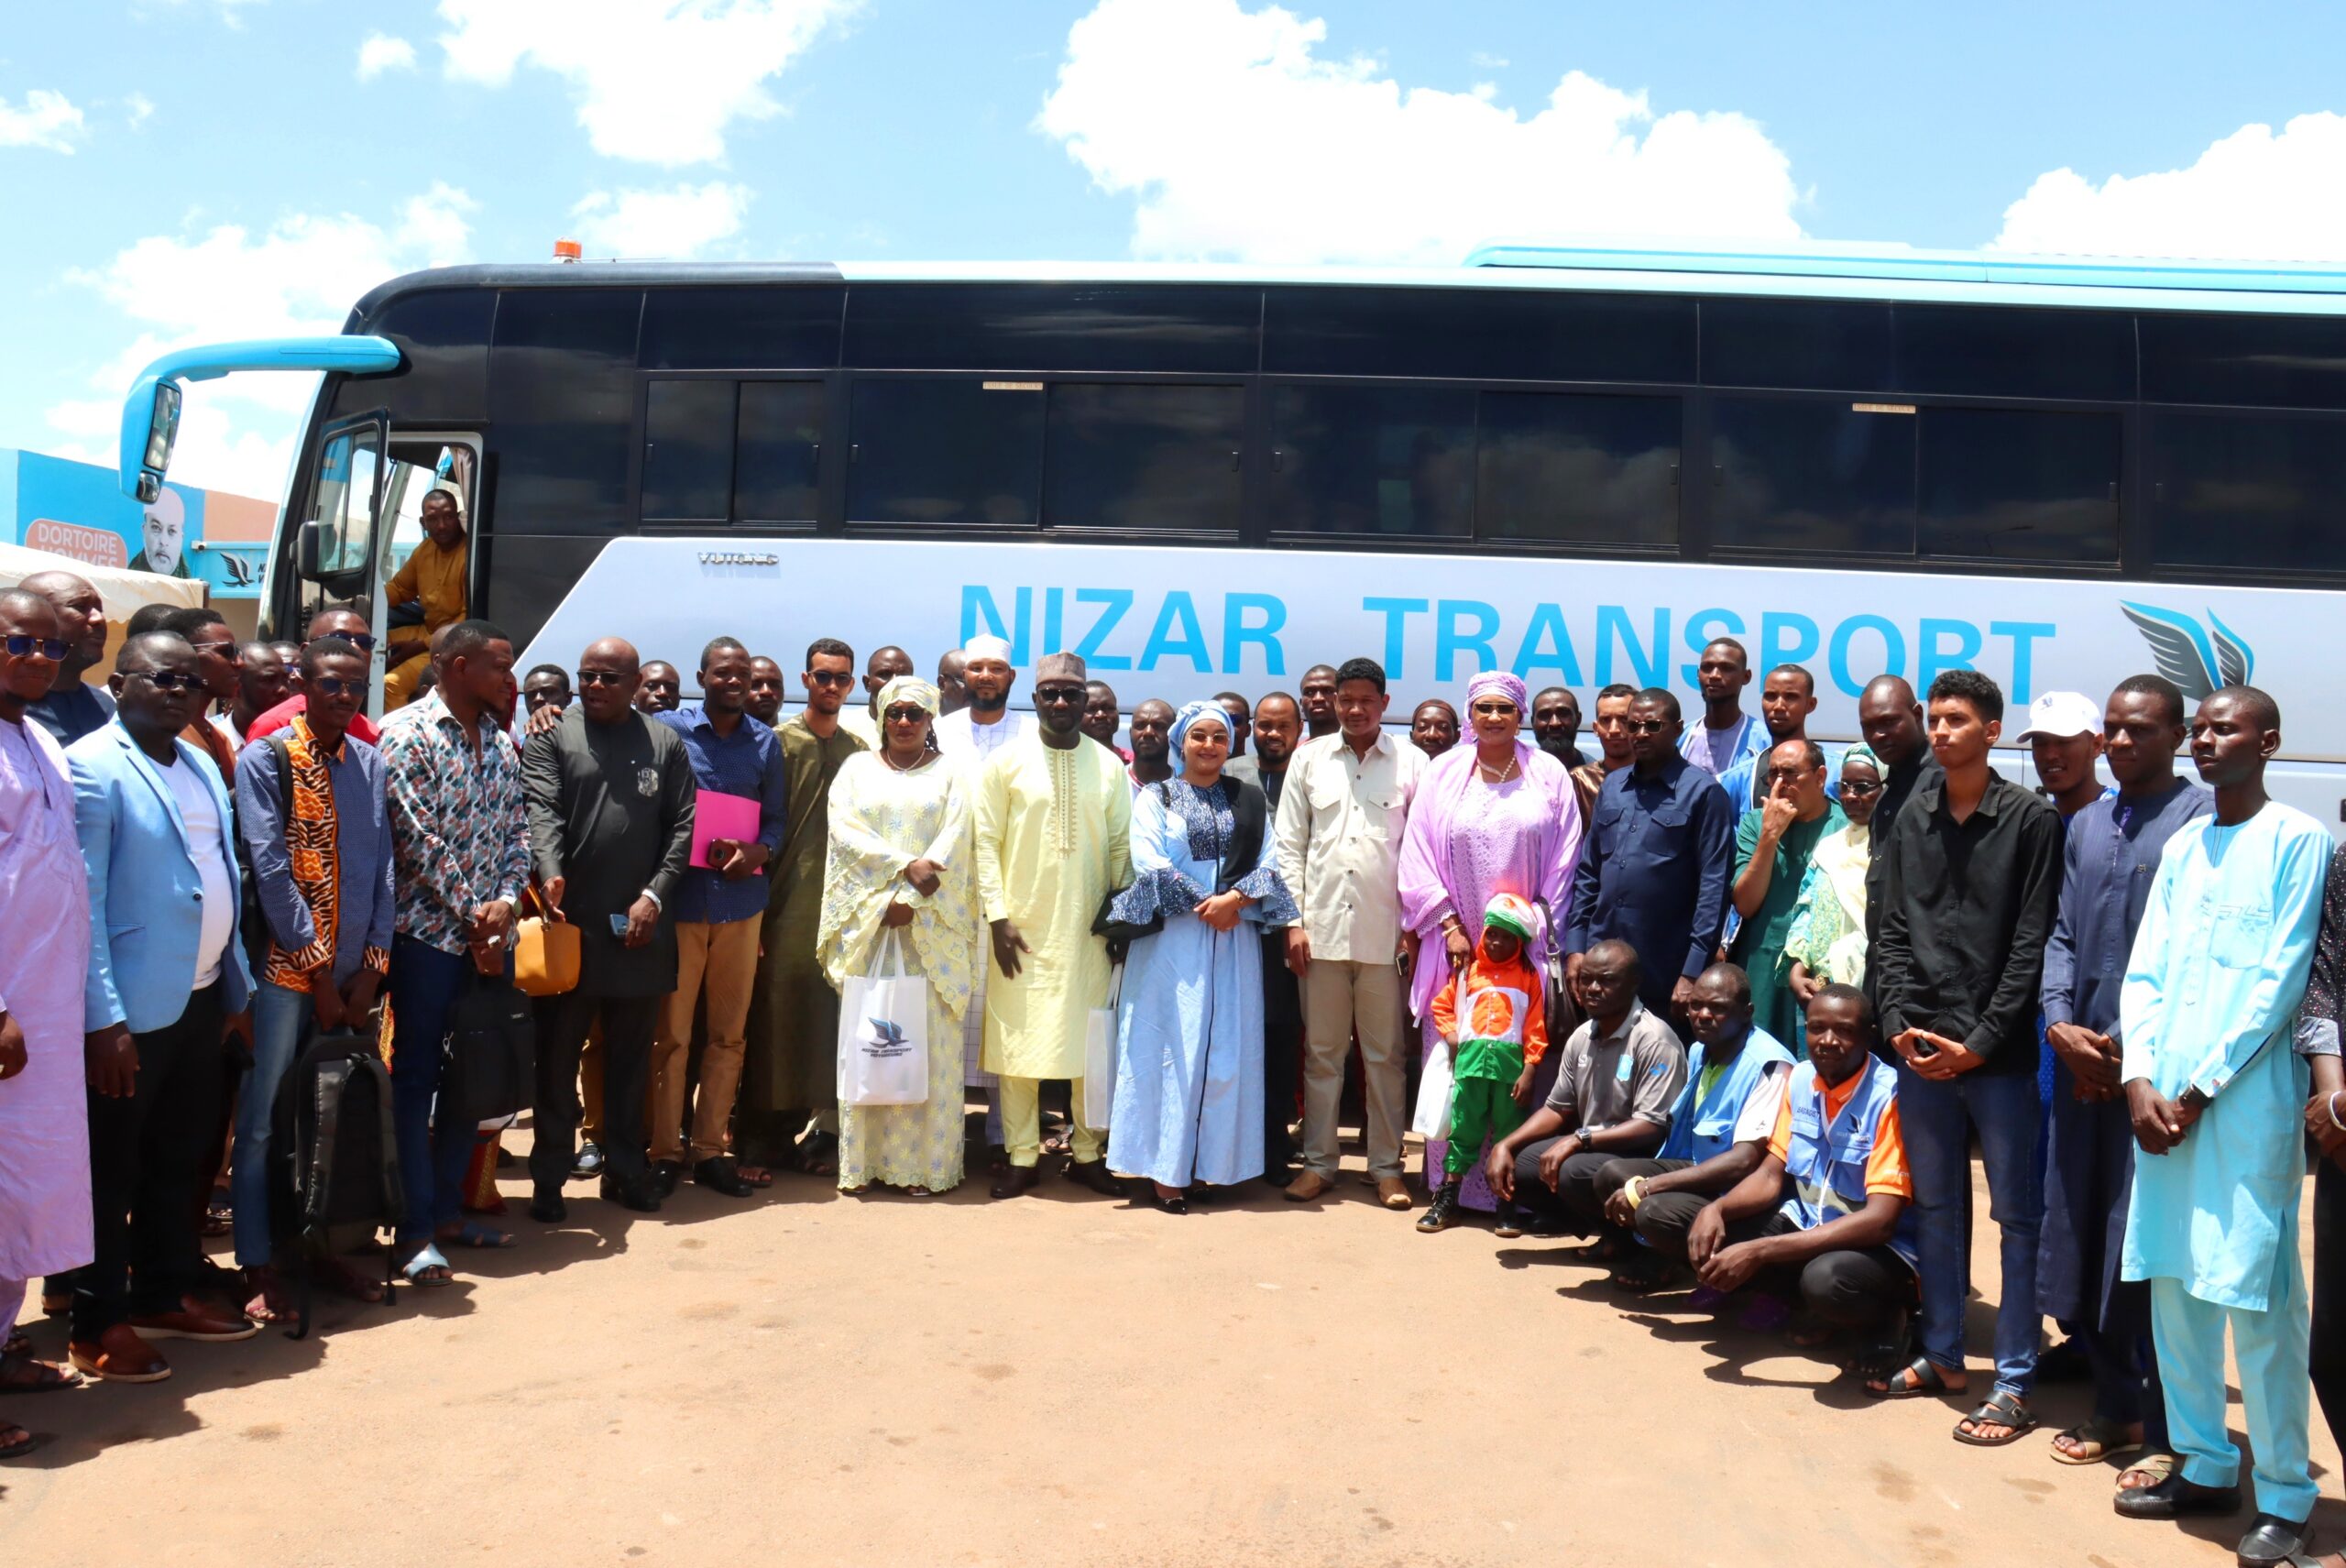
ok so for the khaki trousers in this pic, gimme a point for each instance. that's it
(1022, 1122)
(1341, 999)
(721, 957)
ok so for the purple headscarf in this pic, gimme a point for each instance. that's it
(1507, 686)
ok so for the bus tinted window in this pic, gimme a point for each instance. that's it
(1796, 343)
(2276, 361)
(2019, 485)
(944, 452)
(524, 579)
(1050, 326)
(1575, 470)
(1986, 351)
(1479, 334)
(2247, 492)
(562, 397)
(775, 450)
(1800, 474)
(1143, 456)
(1373, 460)
(781, 328)
(687, 450)
(442, 336)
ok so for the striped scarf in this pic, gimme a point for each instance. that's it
(313, 844)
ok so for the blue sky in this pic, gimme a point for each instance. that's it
(180, 169)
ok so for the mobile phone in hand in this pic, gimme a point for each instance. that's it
(619, 925)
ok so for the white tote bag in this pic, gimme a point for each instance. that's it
(1099, 1057)
(883, 1031)
(1431, 1120)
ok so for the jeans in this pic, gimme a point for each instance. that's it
(1938, 1119)
(426, 984)
(150, 1155)
(281, 1023)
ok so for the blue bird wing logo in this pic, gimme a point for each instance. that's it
(2180, 648)
(881, 1032)
(2235, 663)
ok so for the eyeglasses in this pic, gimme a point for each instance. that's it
(51, 648)
(333, 685)
(362, 640)
(1860, 788)
(1786, 775)
(830, 678)
(1645, 726)
(171, 680)
(601, 678)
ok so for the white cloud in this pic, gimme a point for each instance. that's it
(1239, 139)
(380, 52)
(675, 225)
(300, 277)
(2250, 196)
(139, 109)
(656, 80)
(47, 120)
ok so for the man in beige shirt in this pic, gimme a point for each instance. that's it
(1340, 820)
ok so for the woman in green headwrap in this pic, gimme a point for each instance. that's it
(1827, 943)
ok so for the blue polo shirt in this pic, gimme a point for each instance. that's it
(747, 763)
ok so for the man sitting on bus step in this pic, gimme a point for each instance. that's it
(861, 719)
(431, 581)
(1726, 735)
(987, 724)
(351, 627)
(1786, 699)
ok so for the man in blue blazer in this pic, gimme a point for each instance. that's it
(167, 983)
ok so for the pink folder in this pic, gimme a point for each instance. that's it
(716, 815)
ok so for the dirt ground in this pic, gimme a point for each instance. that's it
(814, 1379)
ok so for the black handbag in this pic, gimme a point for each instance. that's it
(490, 1068)
(1249, 811)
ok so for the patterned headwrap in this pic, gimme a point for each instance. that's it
(1503, 685)
(912, 689)
(1861, 752)
(1509, 912)
(1189, 714)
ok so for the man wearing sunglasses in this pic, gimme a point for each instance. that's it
(165, 983)
(73, 707)
(350, 627)
(1653, 871)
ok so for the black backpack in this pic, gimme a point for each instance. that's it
(332, 1142)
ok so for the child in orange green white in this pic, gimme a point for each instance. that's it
(1494, 1019)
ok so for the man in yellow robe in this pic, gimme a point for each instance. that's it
(433, 577)
(1054, 820)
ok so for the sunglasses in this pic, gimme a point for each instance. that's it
(1494, 710)
(334, 686)
(362, 640)
(905, 713)
(51, 648)
(170, 680)
(601, 678)
(1644, 727)
(1860, 788)
(830, 678)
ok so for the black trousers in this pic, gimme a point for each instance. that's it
(1573, 1205)
(1853, 1289)
(1282, 1056)
(2330, 1295)
(147, 1153)
(562, 1023)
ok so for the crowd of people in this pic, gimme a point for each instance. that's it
(1729, 1004)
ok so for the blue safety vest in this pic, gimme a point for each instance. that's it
(1826, 1162)
(1699, 1132)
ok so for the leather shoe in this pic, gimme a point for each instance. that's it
(719, 1174)
(1094, 1174)
(1015, 1179)
(1392, 1191)
(2175, 1498)
(588, 1164)
(118, 1355)
(548, 1209)
(2271, 1540)
(193, 1319)
(1307, 1187)
(666, 1174)
(642, 1197)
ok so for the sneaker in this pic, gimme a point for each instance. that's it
(588, 1165)
(1506, 1224)
(1444, 1213)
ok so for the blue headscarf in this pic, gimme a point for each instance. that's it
(1190, 713)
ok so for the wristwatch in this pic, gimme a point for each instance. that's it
(2192, 1099)
(1585, 1137)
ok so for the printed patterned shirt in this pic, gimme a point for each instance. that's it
(459, 832)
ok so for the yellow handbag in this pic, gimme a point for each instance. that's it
(545, 956)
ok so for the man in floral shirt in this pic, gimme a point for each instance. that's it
(461, 849)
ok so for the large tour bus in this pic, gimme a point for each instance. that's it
(1581, 465)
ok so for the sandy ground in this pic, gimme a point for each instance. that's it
(813, 1379)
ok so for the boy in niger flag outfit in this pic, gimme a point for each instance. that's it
(1495, 1022)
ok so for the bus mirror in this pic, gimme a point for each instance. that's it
(150, 484)
(162, 429)
(305, 552)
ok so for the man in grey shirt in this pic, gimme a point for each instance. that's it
(1620, 1074)
(610, 803)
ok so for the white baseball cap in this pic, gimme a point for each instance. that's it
(2060, 715)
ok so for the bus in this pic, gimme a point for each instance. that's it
(1578, 464)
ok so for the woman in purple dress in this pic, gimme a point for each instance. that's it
(1497, 816)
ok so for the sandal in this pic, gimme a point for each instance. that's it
(2000, 1409)
(1641, 1277)
(2094, 1441)
(21, 1373)
(817, 1154)
(427, 1267)
(2157, 1467)
(755, 1175)
(1916, 1379)
(481, 1238)
(1604, 1249)
(16, 1441)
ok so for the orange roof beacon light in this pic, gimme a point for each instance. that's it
(567, 250)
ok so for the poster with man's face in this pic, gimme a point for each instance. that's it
(165, 532)
(77, 509)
